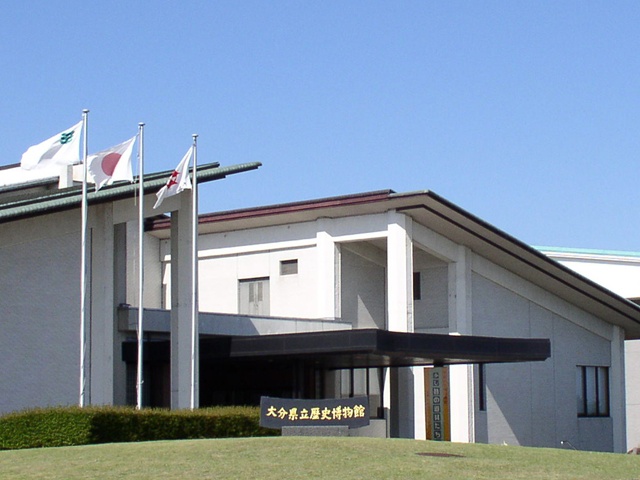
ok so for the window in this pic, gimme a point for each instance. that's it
(592, 389)
(289, 267)
(482, 388)
(417, 287)
(253, 296)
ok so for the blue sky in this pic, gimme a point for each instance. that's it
(525, 113)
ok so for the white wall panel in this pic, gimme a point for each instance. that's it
(432, 310)
(363, 290)
(39, 315)
(632, 362)
(535, 403)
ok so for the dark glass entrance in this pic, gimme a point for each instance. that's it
(243, 383)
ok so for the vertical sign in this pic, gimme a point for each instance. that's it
(436, 396)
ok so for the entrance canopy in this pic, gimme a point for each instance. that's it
(364, 348)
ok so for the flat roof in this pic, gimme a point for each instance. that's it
(362, 348)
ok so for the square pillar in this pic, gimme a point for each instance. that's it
(328, 268)
(617, 400)
(462, 386)
(182, 330)
(399, 273)
(460, 293)
(400, 383)
(102, 328)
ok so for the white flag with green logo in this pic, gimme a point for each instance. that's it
(61, 149)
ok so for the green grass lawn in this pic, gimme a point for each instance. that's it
(314, 457)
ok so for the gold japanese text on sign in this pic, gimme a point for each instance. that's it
(282, 412)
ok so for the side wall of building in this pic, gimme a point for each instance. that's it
(40, 312)
(229, 258)
(620, 273)
(535, 403)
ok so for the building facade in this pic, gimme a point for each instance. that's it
(449, 289)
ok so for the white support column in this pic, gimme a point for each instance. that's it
(328, 267)
(461, 380)
(181, 298)
(420, 421)
(462, 403)
(460, 293)
(102, 324)
(399, 273)
(618, 398)
(400, 319)
(65, 179)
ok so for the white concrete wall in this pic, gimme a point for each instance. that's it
(632, 364)
(620, 273)
(228, 257)
(40, 312)
(291, 295)
(363, 290)
(153, 291)
(432, 310)
(617, 273)
(225, 258)
(534, 404)
(40, 306)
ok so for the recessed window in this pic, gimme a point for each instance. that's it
(253, 296)
(417, 286)
(289, 267)
(482, 388)
(592, 389)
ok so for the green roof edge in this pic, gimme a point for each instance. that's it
(71, 197)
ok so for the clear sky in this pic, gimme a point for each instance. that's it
(525, 113)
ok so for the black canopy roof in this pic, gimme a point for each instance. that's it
(357, 349)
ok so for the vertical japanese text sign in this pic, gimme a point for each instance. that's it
(436, 395)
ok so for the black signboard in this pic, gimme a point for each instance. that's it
(292, 412)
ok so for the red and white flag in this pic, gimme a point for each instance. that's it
(178, 181)
(111, 165)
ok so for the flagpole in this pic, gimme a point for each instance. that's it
(194, 274)
(140, 379)
(83, 262)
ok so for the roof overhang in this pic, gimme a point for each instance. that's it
(523, 260)
(366, 348)
(451, 221)
(69, 198)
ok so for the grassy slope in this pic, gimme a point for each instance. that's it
(308, 457)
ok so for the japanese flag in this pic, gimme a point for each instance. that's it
(111, 165)
(178, 181)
